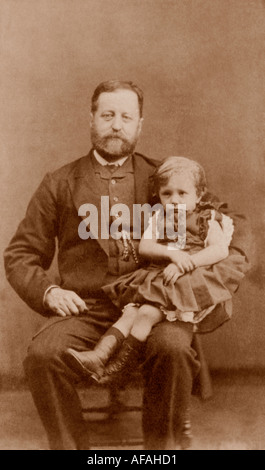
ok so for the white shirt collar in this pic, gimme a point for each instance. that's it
(104, 162)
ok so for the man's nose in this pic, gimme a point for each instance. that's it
(117, 123)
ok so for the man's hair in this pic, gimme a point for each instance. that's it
(113, 85)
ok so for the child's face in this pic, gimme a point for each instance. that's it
(180, 189)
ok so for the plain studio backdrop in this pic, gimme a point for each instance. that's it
(201, 66)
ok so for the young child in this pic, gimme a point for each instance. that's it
(186, 285)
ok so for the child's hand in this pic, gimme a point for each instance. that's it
(171, 273)
(182, 260)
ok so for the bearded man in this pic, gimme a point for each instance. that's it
(78, 313)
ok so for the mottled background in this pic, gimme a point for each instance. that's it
(201, 65)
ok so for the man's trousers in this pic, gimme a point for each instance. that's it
(169, 368)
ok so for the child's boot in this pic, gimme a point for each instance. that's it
(126, 360)
(92, 362)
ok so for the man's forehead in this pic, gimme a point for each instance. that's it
(119, 98)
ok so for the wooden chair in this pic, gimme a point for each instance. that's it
(109, 425)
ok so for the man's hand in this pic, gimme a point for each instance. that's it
(171, 273)
(64, 302)
(182, 260)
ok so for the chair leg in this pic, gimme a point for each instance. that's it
(186, 435)
(115, 403)
(205, 383)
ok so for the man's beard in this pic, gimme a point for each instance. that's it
(112, 146)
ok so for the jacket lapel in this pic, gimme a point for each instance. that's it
(85, 190)
(143, 171)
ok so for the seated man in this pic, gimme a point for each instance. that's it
(78, 312)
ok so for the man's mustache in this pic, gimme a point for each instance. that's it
(115, 136)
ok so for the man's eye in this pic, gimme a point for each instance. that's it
(127, 118)
(107, 116)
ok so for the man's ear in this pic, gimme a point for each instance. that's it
(91, 119)
(140, 125)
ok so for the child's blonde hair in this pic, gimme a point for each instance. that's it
(178, 165)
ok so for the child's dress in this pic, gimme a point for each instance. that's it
(202, 296)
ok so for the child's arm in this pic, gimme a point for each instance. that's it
(180, 261)
(216, 249)
(149, 246)
(151, 249)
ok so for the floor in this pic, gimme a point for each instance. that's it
(233, 419)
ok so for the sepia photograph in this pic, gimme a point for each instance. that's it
(132, 227)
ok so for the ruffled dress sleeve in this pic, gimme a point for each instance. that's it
(226, 224)
(209, 214)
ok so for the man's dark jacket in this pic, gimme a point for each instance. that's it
(53, 213)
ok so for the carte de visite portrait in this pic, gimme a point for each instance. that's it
(132, 234)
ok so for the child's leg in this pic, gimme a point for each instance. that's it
(128, 355)
(147, 317)
(93, 362)
(126, 321)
